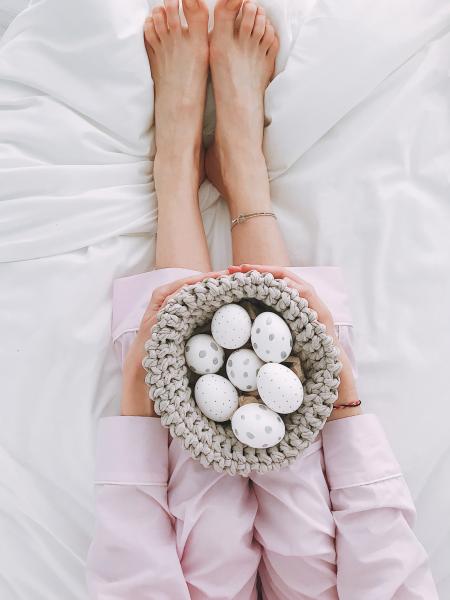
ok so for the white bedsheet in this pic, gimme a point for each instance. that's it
(358, 149)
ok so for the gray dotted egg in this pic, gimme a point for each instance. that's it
(203, 354)
(279, 388)
(271, 337)
(231, 326)
(257, 428)
(216, 397)
(242, 368)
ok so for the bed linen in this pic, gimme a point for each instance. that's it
(358, 148)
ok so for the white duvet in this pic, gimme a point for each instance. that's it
(358, 148)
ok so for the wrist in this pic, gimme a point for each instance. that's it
(135, 397)
(342, 413)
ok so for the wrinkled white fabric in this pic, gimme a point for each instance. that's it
(358, 148)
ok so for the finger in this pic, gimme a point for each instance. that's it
(234, 269)
(161, 293)
(192, 281)
(278, 272)
(175, 285)
(305, 289)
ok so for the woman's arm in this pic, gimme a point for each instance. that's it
(355, 493)
(212, 514)
(133, 553)
(338, 523)
(378, 554)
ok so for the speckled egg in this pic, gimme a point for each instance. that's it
(257, 426)
(279, 388)
(271, 337)
(216, 397)
(231, 326)
(242, 368)
(203, 354)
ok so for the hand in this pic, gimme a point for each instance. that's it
(347, 388)
(135, 397)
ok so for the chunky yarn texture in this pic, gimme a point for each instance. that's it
(214, 444)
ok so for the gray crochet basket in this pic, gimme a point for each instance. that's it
(212, 443)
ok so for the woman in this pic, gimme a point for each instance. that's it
(337, 523)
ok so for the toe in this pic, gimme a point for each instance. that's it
(249, 11)
(260, 24)
(273, 49)
(150, 33)
(173, 14)
(196, 13)
(226, 12)
(230, 5)
(160, 22)
(268, 37)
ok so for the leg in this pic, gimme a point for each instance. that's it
(242, 57)
(179, 64)
(201, 500)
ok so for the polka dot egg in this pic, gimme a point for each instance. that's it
(203, 354)
(279, 388)
(257, 426)
(231, 326)
(271, 337)
(242, 368)
(216, 397)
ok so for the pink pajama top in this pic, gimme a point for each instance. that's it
(335, 524)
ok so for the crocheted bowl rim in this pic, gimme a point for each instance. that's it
(214, 444)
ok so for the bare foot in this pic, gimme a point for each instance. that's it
(179, 64)
(243, 48)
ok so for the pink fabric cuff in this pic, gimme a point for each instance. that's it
(357, 452)
(132, 450)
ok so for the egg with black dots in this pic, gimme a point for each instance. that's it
(257, 426)
(271, 338)
(216, 397)
(242, 368)
(203, 355)
(279, 388)
(231, 326)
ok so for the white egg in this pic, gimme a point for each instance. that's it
(257, 426)
(203, 355)
(216, 397)
(271, 337)
(279, 388)
(242, 368)
(231, 326)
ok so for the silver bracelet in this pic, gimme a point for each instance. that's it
(246, 216)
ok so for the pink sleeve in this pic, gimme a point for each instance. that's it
(133, 553)
(215, 515)
(378, 555)
(338, 522)
(296, 530)
(205, 550)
